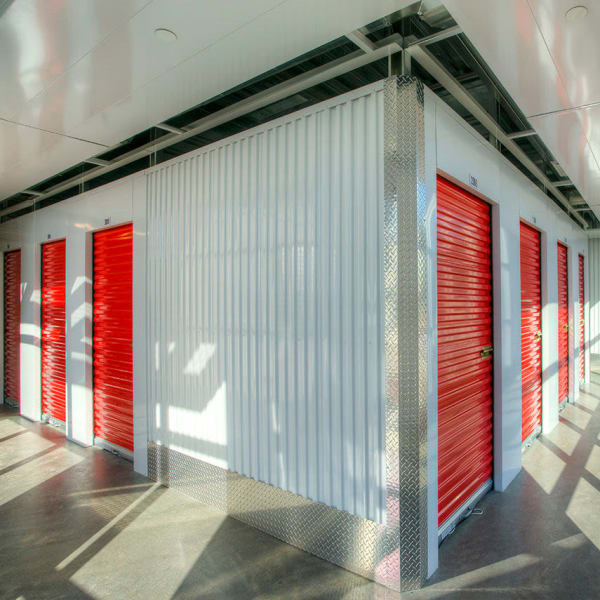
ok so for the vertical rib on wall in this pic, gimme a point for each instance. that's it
(265, 304)
(594, 294)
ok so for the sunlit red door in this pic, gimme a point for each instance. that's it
(464, 289)
(53, 330)
(113, 365)
(531, 331)
(581, 322)
(563, 324)
(12, 327)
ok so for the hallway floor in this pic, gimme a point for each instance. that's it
(79, 523)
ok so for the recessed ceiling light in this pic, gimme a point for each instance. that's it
(165, 35)
(576, 13)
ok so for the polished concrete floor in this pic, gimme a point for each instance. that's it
(79, 523)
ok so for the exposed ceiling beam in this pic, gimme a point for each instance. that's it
(563, 183)
(521, 134)
(100, 162)
(335, 68)
(170, 128)
(32, 193)
(438, 36)
(439, 72)
(362, 41)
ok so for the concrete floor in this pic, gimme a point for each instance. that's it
(79, 523)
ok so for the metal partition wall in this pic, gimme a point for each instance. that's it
(392, 552)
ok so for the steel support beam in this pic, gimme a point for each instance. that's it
(439, 72)
(276, 93)
(521, 134)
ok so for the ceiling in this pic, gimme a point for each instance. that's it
(549, 65)
(78, 76)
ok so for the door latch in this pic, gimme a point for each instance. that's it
(538, 335)
(487, 351)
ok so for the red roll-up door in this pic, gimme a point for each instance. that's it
(465, 441)
(53, 330)
(113, 366)
(531, 331)
(12, 327)
(581, 322)
(563, 324)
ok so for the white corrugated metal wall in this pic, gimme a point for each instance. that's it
(594, 294)
(265, 304)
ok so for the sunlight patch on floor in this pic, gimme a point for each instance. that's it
(577, 416)
(170, 531)
(593, 462)
(8, 427)
(565, 438)
(35, 472)
(588, 401)
(21, 447)
(580, 511)
(544, 467)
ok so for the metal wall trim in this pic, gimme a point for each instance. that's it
(352, 542)
(394, 554)
(405, 322)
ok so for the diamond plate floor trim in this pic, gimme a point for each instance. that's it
(359, 545)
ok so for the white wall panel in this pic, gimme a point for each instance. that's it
(594, 294)
(265, 308)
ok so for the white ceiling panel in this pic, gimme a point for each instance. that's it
(93, 69)
(41, 39)
(564, 134)
(127, 59)
(20, 145)
(549, 65)
(507, 35)
(573, 46)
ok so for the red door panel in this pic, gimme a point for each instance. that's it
(563, 324)
(531, 331)
(53, 330)
(12, 327)
(464, 329)
(113, 365)
(581, 322)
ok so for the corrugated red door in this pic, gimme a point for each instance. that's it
(53, 330)
(563, 324)
(113, 366)
(531, 331)
(12, 327)
(581, 322)
(465, 440)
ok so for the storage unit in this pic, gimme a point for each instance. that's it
(12, 327)
(464, 288)
(581, 320)
(112, 338)
(53, 331)
(563, 323)
(531, 331)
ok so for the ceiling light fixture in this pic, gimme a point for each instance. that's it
(165, 35)
(576, 12)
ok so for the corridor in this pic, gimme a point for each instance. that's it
(80, 523)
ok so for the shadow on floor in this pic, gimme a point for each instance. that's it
(79, 523)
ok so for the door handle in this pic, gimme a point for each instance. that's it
(487, 351)
(538, 335)
(566, 327)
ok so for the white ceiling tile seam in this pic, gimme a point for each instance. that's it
(70, 137)
(437, 70)
(287, 88)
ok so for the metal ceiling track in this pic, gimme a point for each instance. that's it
(428, 62)
(359, 58)
(367, 52)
